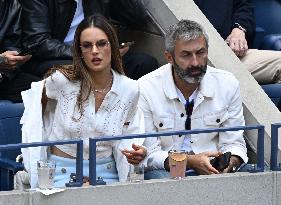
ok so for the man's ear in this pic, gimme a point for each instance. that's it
(169, 57)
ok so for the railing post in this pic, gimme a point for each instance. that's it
(260, 149)
(92, 162)
(274, 147)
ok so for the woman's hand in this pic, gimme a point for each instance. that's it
(136, 155)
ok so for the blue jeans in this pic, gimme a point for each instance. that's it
(105, 168)
(156, 174)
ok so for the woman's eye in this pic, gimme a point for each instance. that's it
(88, 45)
(101, 43)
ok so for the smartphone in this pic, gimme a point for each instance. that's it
(25, 52)
(221, 162)
(130, 43)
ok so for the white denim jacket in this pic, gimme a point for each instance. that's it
(118, 115)
(218, 104)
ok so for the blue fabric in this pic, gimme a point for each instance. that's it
(106, 168)
(156, 174)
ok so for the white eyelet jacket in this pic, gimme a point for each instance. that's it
(118, 115)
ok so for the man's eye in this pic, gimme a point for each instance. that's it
(201, 52)
(185, 55)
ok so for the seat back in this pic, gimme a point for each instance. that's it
(273, 92)
(10, 128)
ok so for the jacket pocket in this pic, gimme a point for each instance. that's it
(216, 118)
(164, 123)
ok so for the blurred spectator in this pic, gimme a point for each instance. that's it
(235, 22)
(12, 79)
(50, 25)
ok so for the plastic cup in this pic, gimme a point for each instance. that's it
(46, 173)
(177, 163)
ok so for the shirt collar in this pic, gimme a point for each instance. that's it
(169, 84)
(115, 88)
(206, 87)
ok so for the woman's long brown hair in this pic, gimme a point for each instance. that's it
(79, 71)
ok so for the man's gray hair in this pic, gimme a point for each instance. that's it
(184, 30)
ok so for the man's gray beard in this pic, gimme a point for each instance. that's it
(185, 74)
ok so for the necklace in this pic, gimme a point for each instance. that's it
(101, 91)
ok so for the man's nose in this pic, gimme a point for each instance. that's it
(194, 60)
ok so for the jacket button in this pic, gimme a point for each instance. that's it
(218, 120)
(63, 170)
(191, 141)
(178, 100)
(180, 135)
(160, 124)
(108, 166)
(182, 115)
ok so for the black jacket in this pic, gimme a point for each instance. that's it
(46, 22)
(10, 31)
(224, 13)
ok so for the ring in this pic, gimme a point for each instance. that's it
(242, 47)
(133, 158)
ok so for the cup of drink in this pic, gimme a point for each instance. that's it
(136, 173)
(46, 173)
(177, 163)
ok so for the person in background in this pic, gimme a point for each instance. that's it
(235, 22)
(50, 26)
(12, 79)
(90, 98)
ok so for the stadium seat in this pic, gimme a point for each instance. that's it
(260, 33)
(271, 42)
(10, 133)
(273, 92)
(10, 128)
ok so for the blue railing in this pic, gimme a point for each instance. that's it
(79, 154)
(274, 166)
(93, 141)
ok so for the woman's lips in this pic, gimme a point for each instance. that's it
(96, 61)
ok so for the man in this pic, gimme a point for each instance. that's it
(49, 27)
(235, 22)
(12, 79)
(184, 81)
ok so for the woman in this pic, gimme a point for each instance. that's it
(90, 98)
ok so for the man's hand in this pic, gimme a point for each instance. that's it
(136, 155)
(124, 50)
(12, 59)
(237, 42)
(234, 162)
(201, 162)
